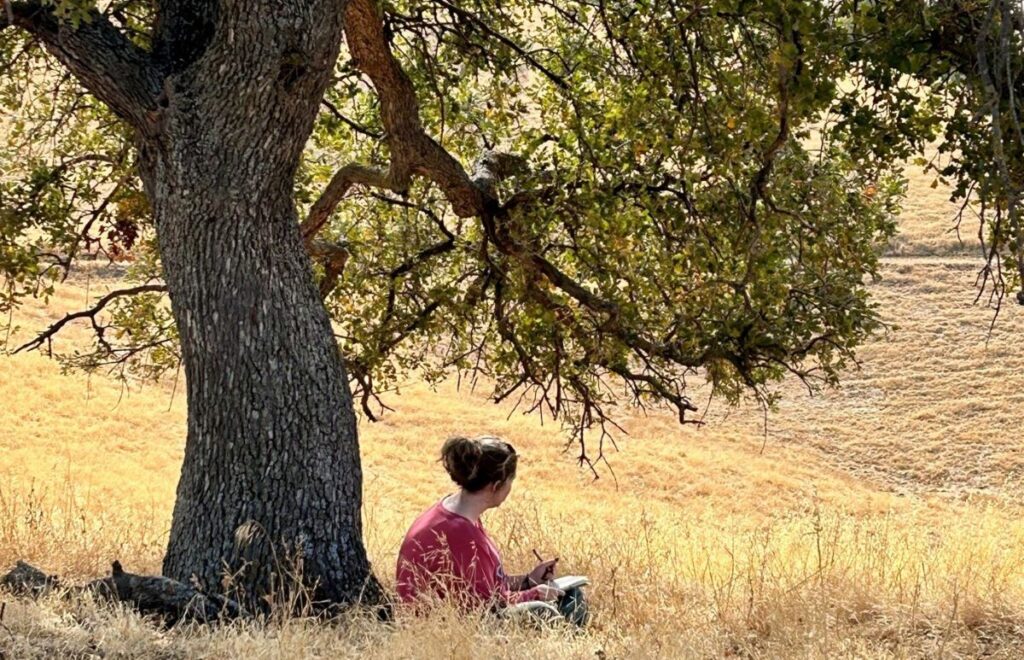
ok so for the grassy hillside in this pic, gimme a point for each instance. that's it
(877, 520)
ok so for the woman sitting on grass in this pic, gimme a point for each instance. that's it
(447, 553)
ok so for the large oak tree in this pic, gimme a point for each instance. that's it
(585, 202)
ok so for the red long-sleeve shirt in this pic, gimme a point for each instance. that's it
(450, 556)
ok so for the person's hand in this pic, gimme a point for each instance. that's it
(543, 571)
(548, 593)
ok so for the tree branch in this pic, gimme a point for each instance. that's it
(103, 59)
(354, 125)
(348, 176)
(87, 313)
(558, 80)
(412, 150)
(333, 256)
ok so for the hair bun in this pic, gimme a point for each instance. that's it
(461, 458)
(473, 464)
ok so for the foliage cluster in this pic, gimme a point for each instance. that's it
(686, 189)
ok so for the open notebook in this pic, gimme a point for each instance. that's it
(539, 607)
(570, 582)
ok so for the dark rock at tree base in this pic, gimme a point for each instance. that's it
(169, 600)
(27, 580)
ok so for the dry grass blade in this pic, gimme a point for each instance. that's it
(880, 520)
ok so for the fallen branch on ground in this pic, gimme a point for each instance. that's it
(171, 601)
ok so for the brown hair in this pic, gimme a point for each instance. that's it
(478, 462)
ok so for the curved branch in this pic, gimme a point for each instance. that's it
(355, 126)
(87, 313)
(348, 176)
(103, 59)
(334, 256)
(412, 150)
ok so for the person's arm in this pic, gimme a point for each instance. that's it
(515, 597)
(540, 573)
(478, 570)
(517, 582)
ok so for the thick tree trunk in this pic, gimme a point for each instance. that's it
(272, 460)
(271, 474)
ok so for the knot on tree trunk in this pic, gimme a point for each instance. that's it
(333, 256)
(494, 166)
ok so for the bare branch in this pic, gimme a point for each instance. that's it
(559, 81)
(412, 150)
(90, 313)
(355, 126)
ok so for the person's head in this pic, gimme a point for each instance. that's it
(484, 466)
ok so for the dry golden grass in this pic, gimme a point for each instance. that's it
(930, 229)
(880, 520)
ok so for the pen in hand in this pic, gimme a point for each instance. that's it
(549, 570)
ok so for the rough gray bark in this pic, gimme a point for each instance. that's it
(102, 58)
(271, 482)
(222, 107)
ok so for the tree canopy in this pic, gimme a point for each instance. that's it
(582, 202)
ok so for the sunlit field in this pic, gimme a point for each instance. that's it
(878, 520)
